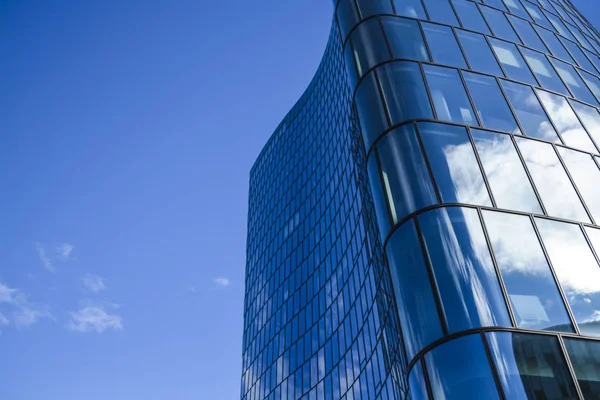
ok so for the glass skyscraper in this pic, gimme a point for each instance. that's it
(425, 222)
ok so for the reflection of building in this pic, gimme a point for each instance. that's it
(426, 219)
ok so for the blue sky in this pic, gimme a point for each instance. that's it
(128, 131)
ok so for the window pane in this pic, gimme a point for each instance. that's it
(496, 4)
(456, 374)
(554, 44)
(410, 8)
(515, 7)
(593, 83)
(478, 52)
(537, 15)
(369, 45)
(512, 61)
(449, 97)
(586, 175)
(576, 269)
(454, 164)
(347, 16)
(499, 24)
(443, 46)
(590, 118)
(566, 121)
(373, 120)
(463, 269)
(585, 357)
(405, 173)
(490, 104)
(534, 296)
(550, 178)
(470, 17)
(374, 7)
(574, 82)
(578, 55)
(531, 366)
(414, 296)
(397, 31)
(528, 35)
(404, 91)
(417, 384)
(441, 11)
(532, 116)
(509, 183)
(544, 71)
(378, 196)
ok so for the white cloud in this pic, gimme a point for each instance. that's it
(46, 262)
(64, 251)
(94, 319)
(94, 283)
(222, 281)
(24, 312)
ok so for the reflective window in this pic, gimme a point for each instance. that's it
(454, 165)
(441, 11)
(404, 91)
(532, 116)
(528, 35)
(590, 118)
(559, 26)
(593, 83)
(594, 59)
(544, 71)
(566, 121)
(470, 17)
(449, 97)
(554, 44)
(537, 15)
(534, 296)
(496, 3)
(550, 178)
(574, 82)
(369, 45)
(417, 384)
(378, 195)
(410, 8)
(531, 366)
(576, 269)
(490, 104)
(397, 30)
(443, 46)
(512, 61)
(478, 52)
(463, 269)
(585, 358)
(374, 7)
(405, 175)
(456, 374)
(577, 53)
(503, 168)
(515, 7)
(499, 24)
(414, 294)
(347, 16)
(586, 175)
(373, 120)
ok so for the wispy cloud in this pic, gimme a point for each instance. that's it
(24, 312)
(46, 262)
(94, 283)
(61, 252)
(95, 319)
(222, 281)
(64, 251)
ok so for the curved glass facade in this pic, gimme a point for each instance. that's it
(445, 157)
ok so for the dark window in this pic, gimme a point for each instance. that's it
(585, 357)
(449, 97)
(417, 384)
(369, 45)
(441, 11)
(374, 7)
(372, 116)
(478, 52)
(443, 46)
(378, 195)
(397, 31)
(470, 17)
(499, 24)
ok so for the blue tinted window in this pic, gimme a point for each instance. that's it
(414, 294)
(466, 278)
(585, 358)
(531, 366)
(532, 116)
(512, 61)
(537, 15)
(577, 53)
(449, 97)
(373, 120)
(586, 176)
(574, 82)
(590, 118)
(499, 24)
(554, 44)
(503, 168)
(545, 73)
(496, 3)
(528, 35)
(515, 7)
(531, 287)
(559, 26)
(374, 7)
(369, 45)
(378, 195)
(478, 52)
(404, 91)
(593, 83)
(397, 31)
(441, 11)
(443, 46)
(347, 16)
(470, 17)
(405, 175)
(456, 374)
(490, 104)
(410, 8)
(454, 165)
(417, 384)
